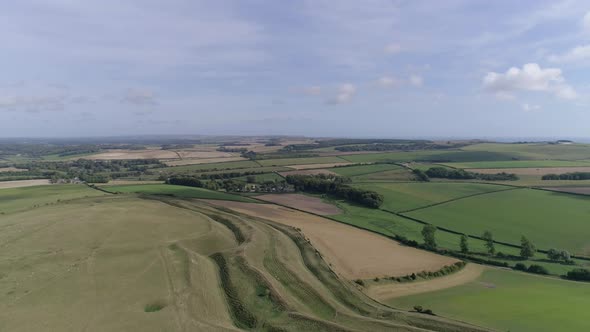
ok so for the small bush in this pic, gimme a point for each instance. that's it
(579, 274)
(359, 282)
(418, 308)
(520, 267)
(153, 307)
(537, 269)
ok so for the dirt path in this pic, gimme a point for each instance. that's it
(393, 290)
(22, 183)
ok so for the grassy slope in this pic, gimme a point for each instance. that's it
(18, 199)
(178, 191)
(406, 196)
(96, 263)
(548, 219)
(511, 301)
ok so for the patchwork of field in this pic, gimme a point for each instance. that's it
(23, 183)
(400, 197)
(118, 262)
(176, 191)
(549, 219)
(353, 253)
(510, 301)
(302, 202)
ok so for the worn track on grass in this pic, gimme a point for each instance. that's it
(384, 292)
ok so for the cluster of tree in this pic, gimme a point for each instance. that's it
(420, 175)
(176, 146)
(397, 147)
(460, 174)
(347, 141)
(228, 175)
(234, 150)
(335, 186)
(533, 268)
(567, 176)
(185, 181)
(578, 274)
(559, 255)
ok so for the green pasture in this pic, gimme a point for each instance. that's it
(406, 196)
(549, 219)
(510, 301)
(25, 198)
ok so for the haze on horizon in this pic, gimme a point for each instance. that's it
(317, 68)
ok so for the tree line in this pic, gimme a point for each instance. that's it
(460, 174)
(397, 147)
(567, 176)
(335, 186)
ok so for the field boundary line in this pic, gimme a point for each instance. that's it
(457, 199)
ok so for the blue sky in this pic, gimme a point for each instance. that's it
(370, 68)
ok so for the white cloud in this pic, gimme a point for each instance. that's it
(386, 81)
(140, 97)
(416, 80)
(393, 49)
(530, 108)
(530, 78)
(586, 22)
(576, 54)
(312, 90)
(345, 93)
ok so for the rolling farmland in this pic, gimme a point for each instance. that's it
(272, 255)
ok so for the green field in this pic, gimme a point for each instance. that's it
(19, 199)
(537, 150)
(430, 155)
(209, 167)
(518, 164)
(351, 171)
(260, 178)
(178, 191)
(300, 161)
(511, 301)
(406, 196)
(549, 219)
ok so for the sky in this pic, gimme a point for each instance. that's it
(372, 68)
